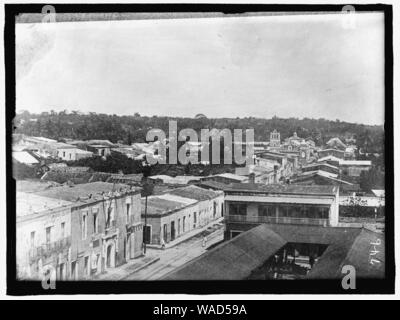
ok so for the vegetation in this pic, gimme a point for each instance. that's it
(75, 125)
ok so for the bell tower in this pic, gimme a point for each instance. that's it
(275, 139)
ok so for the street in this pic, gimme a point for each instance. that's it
(172, 258)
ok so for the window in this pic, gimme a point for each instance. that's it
(179, 227)
(73, 271)
(84, 225)
(147, 234)
(32, 239)
(215, 209)
(194, 220)
(323, 213)
(266, 211)
(237, 209)
(128, 212)
(64, 154)
(184, 224)
(305, 212)
(48, 235)
(62, 229)
(95, 223)
(86, 266)
(70, 156)
(110, 215)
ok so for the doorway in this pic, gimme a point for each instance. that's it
(172, 230)
(110, 259)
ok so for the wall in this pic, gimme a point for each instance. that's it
(94, 246)
(204, 211)
(28, 268)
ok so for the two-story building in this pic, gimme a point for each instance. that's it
(247, 205)
(43, 236)
(90, 228)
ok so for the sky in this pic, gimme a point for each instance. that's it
(315, 66)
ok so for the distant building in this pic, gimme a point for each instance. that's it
(321, 166)
(336, 143)
(226, 178)
(72, 153)
(275, 140)
(319, 177)
(250, 204)
(331, 152)
(353, 168)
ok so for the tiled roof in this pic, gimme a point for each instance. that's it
(157, 205)
(72, 193)
(194, 192)
(281, 188)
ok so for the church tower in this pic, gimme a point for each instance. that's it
(275, 139)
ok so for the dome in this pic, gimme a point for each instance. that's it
(199, 116)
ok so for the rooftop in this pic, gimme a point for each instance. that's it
(281, 188)
(29, 203)
(195, 193)
(355, 162)
(159, 205)
(24, 157)
(83, 191)
(320, 164)
(230, 176)
(238, 257)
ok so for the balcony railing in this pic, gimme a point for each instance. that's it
(285, 220)
(50, 248)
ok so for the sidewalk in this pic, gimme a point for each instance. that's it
(187, 235)
(121, 272)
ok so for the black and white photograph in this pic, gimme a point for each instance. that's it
(160, 147)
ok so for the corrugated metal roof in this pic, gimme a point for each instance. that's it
(237, 258)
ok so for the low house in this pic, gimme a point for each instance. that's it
(331, 152)
(320, 166)
(71, 153)
(336, 143)
(178, 211)
(353, 168)
(226, 178)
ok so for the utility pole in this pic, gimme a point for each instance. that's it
(147, 190)
(145, 226)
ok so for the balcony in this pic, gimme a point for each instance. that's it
(283, 220)
(50, 248)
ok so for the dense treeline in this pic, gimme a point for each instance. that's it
(75, 125)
